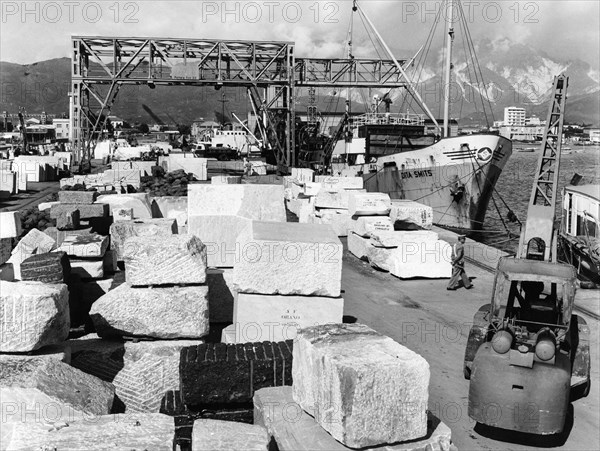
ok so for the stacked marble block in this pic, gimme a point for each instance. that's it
(404, 253)
(352, 388)
(143, 324)
(10, 228)
(36, 380)
(331, 201)
(8, 180)
(288, 277)
(34, 243)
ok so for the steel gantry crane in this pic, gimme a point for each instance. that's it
(270, 72)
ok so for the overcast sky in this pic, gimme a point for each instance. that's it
(36, 31)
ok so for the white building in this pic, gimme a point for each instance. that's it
(514, 116)
(62, 128)
(594, 134)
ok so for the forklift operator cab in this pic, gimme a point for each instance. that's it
(523, 348)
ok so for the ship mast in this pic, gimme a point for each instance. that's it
(448, 71)
(347, 139)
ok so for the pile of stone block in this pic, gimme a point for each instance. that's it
(186, 161)
(376, 235)
(325, 201)
(288, 277)
(35, 242)
(335, 370)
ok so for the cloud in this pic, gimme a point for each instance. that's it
(566, 29)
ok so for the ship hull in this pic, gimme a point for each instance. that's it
(455, 176)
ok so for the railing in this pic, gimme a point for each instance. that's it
(388, 118)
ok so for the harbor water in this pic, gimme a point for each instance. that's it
(515, 184)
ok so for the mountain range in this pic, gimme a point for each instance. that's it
(515, 75)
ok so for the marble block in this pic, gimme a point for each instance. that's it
(85, 246)
(368, 204)
(366, 226)
(289, 259)
(404, 212)
(10, 224)
(362, 387)
(336, 184)
(122, 230)
(217, 435)
(359, 246)
(259, 317)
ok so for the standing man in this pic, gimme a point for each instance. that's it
(458, 266)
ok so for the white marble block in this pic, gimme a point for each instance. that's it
(303, 174)
(368, 204)
(336, 184)
(89, 245)
(35, 242)
(164, 312)
(289, 258)
(122, 230)
(10, 224)
(366, 226)
(122, 214)
(118, 432)
(340, 221)
(397, 237)
(339, 199)
(218, 435)
(139, 202)
(409, 211)
(363, 388)
(359, 246)
(218, 213)
(32, 315)
(88, 269)
(428, 259)
(174, 259)
(258, 317)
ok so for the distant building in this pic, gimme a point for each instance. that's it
(593, 133)
(524, 133)
(534, 120)
(116, 121)
(514, 116)
(62, 128)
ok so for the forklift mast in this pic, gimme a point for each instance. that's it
(538, 236)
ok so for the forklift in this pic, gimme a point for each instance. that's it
(527, 354)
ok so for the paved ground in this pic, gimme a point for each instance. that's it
(435, 322)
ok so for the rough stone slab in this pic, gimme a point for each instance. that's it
(187, 162)
(35, 242)
(88, 269)
(399, 238)
(228, 334)
(90, 211)
(327, 199)
(311, 188)
(225, 180)
(294, 430)
(359, 246)
(122, 230)
(139, 202)
(336, 184)
(53, 267)
(217, 435)
(303, 174)
(109, 262)
(380, 257)
(10, 224)
(68, 220)
(141, 372)
(220, 294)
(122, 214)
(289, 259)
(295, 205)
(77, 197)
(428, 259)
(5, 249)
(218, 213)
(224, 374)
(60, 353)
(219, 235)
(32, 315)
(118, 432)
(366, 226)
(259, 317)
(369, 204)
(258, 202)
(85, 246)
(403, 212)
(173, 312)
(47, 205)
(175, 259)
(124, 177)
(339, 222)
(171, 207)
(343, 365)
(53, 388)
(7, 272)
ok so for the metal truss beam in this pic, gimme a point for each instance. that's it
(102, 65)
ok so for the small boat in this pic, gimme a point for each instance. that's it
(579, 236)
